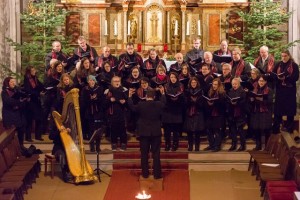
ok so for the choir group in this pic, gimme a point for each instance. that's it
(206, 94)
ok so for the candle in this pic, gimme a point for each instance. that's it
(115, 28)
(128, 27)
(199, 28)
(187, 28)
(143, 196)
(105, 27)
(176, 28)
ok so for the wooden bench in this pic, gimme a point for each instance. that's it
(17, 173)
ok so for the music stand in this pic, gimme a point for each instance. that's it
(97, 137)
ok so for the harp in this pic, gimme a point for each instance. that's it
(69, 125)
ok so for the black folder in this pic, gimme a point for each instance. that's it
(222, 59)
(233, 99)
(210, 99)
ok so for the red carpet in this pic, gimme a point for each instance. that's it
(124, 185)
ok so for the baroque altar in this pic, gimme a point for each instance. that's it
(159, 24)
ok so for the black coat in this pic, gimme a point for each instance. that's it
(237, 108)
(93, 107)
(261, 111)
(174, 106)
(149, 68)
(13, 109)
(113, 61)
(34, 106)
(194, 110)
(149, 116)
(285, 98)
(115, 110)
(215, 113)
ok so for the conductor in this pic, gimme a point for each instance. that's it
(149, 129)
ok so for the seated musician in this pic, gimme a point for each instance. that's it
(58, 151)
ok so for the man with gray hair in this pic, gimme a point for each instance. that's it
(264, 62)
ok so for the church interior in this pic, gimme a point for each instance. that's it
(170, 27)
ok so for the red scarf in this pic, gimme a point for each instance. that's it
(289, 69)
(239, 68)
(54, 56)
(149, 65)
(32, 81)
(10, 92)
(270, 63)
(261, 106)
(161, 77)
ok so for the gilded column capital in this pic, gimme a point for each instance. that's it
(125, 4)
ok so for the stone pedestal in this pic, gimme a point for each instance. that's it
(151, 184)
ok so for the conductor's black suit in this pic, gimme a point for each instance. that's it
(149, 129)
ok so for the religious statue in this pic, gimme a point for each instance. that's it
(133, 28)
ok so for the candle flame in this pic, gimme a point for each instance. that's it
(143, 196)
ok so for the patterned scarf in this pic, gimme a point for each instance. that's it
(271, 61)
(239, 68)
(261, 106)
(32, 81)
(288, 69)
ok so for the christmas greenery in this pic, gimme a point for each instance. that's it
(42, 23)
(263, 22)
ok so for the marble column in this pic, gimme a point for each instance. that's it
(168, 27)
(183, 31)
(125, 28)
